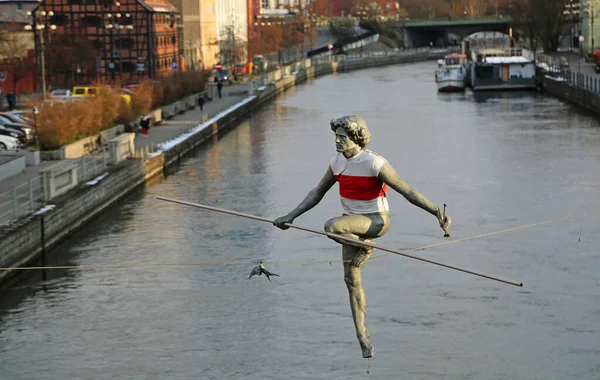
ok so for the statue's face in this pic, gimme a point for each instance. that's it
(344, 144)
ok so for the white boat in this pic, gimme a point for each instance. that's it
(451, 73)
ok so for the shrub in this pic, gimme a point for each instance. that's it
(62, 123)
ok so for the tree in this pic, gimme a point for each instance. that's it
(14, 50)
(233, 49)
(543, 20)
(322, 8)
(269, 40)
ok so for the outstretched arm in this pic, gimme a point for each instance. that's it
(388, 175)
(312, 199)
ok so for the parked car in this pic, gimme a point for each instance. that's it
(24, 129)
(93, 91)
(8, 142)
(6, 121)
(20, 136)
(60, 93)
(14, 117)
(240, 68)
(223, 76)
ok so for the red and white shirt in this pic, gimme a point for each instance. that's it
(361, 191)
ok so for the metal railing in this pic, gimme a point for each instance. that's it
(26, 198)
(586, 82)
(21, 200)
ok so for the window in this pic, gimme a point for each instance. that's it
(90, 21)
(124, 43)
(127, 67)
(74, 2)
(19, 6)
(173, 40)
(98, 44)
(126, 20)
(92, 91)
(265, 4)
(59, 19)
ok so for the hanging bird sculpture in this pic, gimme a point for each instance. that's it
(260, 269)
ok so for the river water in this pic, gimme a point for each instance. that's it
(498, 160)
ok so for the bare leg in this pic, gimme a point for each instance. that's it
(364, 228)
(359, 227)
(358, 300)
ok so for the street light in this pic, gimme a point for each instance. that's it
(581, 39)
(37, 140)
(115, 23)
(40, 23)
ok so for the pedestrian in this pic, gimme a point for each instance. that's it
(201, 102)
(145, 124)
(11, 100)
(1, 100)
(363, 177)
(219, 88)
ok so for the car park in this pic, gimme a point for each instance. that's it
(8, 142)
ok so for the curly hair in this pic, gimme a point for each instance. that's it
(355, 127)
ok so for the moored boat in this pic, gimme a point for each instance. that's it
(451, 73)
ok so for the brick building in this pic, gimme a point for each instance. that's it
(110, 40)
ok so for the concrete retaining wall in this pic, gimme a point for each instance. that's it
(575, 95)
(21, 242)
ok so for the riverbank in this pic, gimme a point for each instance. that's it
(29, 238)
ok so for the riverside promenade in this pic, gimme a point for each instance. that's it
(167, 130)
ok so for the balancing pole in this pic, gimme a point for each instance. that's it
(339, 237)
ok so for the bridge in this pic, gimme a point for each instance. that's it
(419, 33)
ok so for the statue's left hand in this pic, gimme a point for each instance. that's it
(444, 220)
(281, 221)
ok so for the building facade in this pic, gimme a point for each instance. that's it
(589, 10)
(123, 40)
(209, 45)
(232, 30)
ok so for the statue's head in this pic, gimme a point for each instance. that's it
(355, 127)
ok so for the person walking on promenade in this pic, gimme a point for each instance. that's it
(145, 124)
(201, 102)
(1, 100)
(219, 88)
(364, 177)
(11, 100)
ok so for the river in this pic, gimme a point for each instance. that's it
(498, 160)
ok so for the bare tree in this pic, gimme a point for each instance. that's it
(14, 48)
(544, 21)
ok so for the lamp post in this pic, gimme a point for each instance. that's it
(40, 22)
(37, 140)
(581, 39)
(115, 23)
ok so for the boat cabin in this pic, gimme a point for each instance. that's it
(500, 69)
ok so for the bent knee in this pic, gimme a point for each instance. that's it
(330, 226)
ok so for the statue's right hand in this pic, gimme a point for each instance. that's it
(281, 221)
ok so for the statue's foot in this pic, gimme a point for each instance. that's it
(368, 351)
(361, 258)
